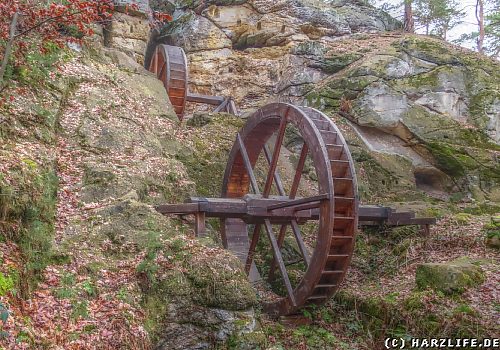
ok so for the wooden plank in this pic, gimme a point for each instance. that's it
(184, 208)
(211, 100)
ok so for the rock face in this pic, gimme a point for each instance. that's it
(436, 105)
(129, 29)
(450, 277)
(117, 153)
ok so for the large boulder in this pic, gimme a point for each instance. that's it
(450, 277)
(439, 101)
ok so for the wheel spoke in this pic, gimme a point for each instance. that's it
(248, 165)
(251, 250)
(298, 171)
(276, 154)
(300, 242)
(281, 239)
(277, 177)
(279, 259)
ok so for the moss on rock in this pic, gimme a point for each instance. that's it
(212, 141)
(450, 277)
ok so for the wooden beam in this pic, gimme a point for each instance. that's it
(281, 239)
(184, 208)
(200, 228)
(221, 106)
(232, 108)
(295, 202)
(300, 242)
(211, 100)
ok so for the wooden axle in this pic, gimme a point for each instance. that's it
(254, 209)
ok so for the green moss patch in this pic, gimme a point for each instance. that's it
(450, 277)
(212, 142)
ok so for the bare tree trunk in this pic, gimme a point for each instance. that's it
(409, 23)
(8, 47)
(480, 23)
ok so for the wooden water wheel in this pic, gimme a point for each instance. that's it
(169, 63)
(335, 207)
(247, 206)
(170, 66)
(256, 201)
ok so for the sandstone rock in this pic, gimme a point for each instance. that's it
(492, 231)
(379, 105)
(450, 277)
(131, 27)
(123, 60)
(196, 33)
(200, 328)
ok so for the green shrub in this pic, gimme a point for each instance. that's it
(6, 284)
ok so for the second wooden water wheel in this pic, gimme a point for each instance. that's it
(169, 63)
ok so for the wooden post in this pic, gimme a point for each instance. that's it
(200, 229)
(426, 230)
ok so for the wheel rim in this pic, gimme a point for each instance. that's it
(169, 63)
(337, 221)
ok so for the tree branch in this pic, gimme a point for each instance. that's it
(38, 25)
(8, 47)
